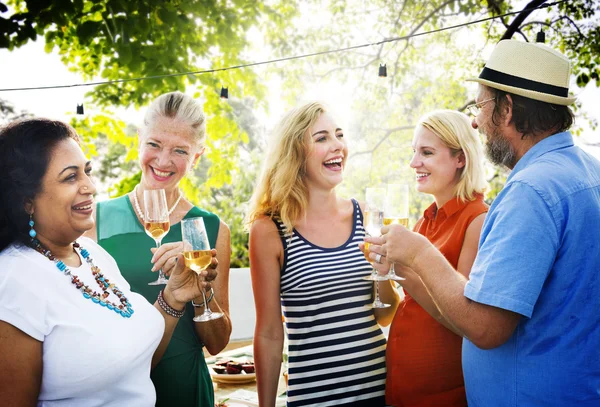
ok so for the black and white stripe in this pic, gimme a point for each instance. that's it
(336, 348)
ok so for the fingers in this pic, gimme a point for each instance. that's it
(169, 266)
(209, 274)
(164, 254)
(375, 240)
(179, 265)
(214, 262)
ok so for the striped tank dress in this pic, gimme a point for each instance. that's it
(336, 352)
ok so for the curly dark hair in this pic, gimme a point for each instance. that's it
(531, 117)
(25, 151)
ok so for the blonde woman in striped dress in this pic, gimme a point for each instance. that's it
(305, 259)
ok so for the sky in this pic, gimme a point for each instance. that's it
(30, 66)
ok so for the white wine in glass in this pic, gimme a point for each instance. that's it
(198, 256)
(396, 213)
(373, 222)
(395, 221)
(197, 260)
(156, 222)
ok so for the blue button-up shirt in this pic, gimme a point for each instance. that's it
(539, 256)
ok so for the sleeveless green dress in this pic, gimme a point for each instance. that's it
(181, 378)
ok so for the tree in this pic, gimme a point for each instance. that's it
(119, 40)
(424, 72)
(114, 39)
(9, 113)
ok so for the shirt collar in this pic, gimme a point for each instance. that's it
(448, 209)
(554, 142)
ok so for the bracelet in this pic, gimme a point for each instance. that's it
(209, 299)
(167, 308)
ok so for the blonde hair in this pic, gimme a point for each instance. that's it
(281, 190)
(455, 131)
(178, 106)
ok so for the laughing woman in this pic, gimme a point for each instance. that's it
(72, 332)
(171, 141)
(304, 258)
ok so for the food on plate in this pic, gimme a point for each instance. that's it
(219, 369)
(248, 367)
(233, 367)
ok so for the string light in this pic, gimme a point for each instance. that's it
(224, 93)
(382, 71)
(541, 36)
(272, 61)
(79, 108)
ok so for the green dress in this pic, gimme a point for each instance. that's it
(181, 377)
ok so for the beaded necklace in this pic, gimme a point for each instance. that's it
(139, 210)
(124, 308)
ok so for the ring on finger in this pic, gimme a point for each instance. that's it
(378, 258)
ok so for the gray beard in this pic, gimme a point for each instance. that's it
(499, 151)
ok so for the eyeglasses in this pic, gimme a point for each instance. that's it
(475, 108)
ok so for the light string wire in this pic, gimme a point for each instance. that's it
(272, 61)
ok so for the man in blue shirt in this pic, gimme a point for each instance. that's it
(530, 311)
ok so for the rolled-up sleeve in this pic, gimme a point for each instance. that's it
(517, 249)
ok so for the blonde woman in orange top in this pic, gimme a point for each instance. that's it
(423, 353)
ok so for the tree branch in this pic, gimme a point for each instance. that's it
(388, 133)
(514, 26)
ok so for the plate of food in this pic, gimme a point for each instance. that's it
(232, 371)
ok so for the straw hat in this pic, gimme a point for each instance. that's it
(533, 70)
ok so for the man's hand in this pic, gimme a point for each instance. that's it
(399, 245)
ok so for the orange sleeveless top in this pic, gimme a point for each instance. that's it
(423, 357)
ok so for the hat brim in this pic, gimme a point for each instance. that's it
(531, 94)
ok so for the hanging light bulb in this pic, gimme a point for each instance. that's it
(541, 36)
(382, 71)
(224, 93)
(79, 108)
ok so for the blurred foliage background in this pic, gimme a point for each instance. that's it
(120, 39)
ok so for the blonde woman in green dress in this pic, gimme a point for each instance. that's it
(171, 142)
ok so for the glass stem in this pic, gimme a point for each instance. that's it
(161, 275)
(377, 299)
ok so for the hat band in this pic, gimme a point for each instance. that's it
(514, 81)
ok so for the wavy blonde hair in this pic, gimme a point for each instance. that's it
(455, 131)
(281, 190)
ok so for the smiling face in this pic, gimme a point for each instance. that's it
(437, 167)
(327, 153)
(62, 211)
(168, 150)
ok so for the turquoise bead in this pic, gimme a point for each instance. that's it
(102, 282)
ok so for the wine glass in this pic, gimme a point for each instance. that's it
(395, 211)
(198, 256)
(373, 221)
(156, 222)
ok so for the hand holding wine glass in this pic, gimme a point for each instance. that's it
(156, 222)
(198, 256)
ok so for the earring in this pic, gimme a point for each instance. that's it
(32, 232)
